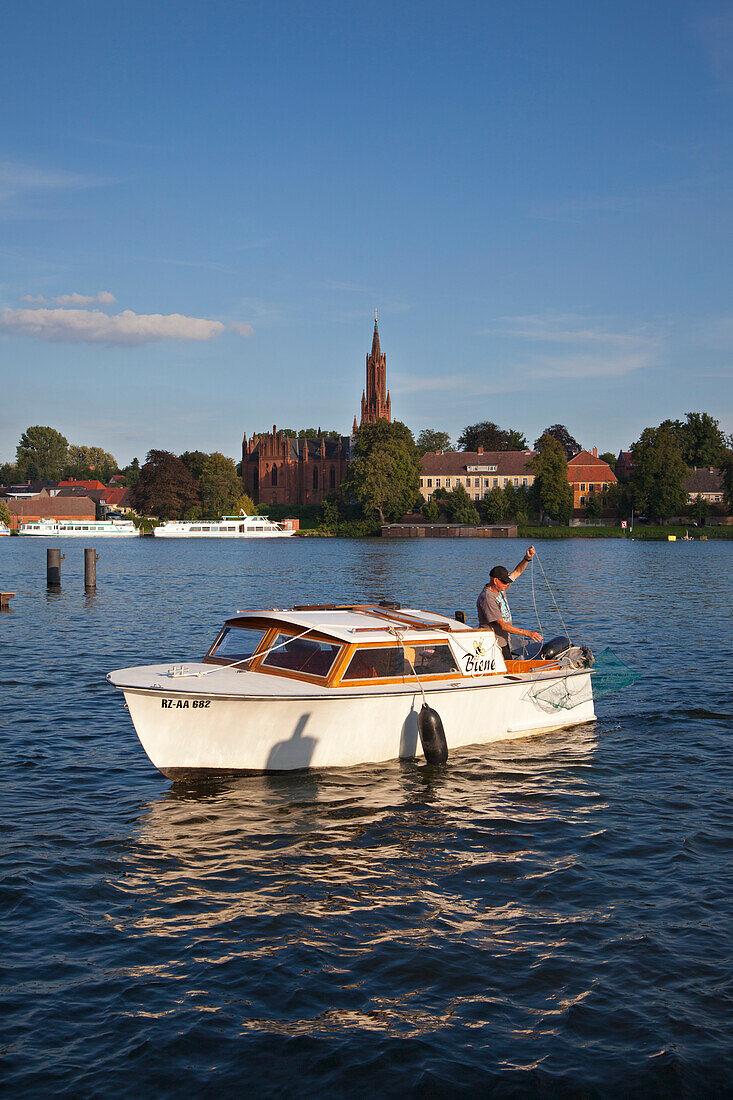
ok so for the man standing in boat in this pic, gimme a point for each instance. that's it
(493, 609)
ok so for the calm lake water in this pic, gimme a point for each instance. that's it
(548, 917)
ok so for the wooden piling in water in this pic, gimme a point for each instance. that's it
(53, 568)
(91, 557)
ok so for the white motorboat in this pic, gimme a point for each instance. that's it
(324, 686)
(71, 528)
(227, 527)
(4, 529)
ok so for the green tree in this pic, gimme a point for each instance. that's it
(5, 516)
(609, 458)
(593, 506)
(523, 504)
(431, 511)
(132, 474)
(461, 508)
(41, 452)
(560, 433)
(194, 461)
(703, 443)
(166, 488)
(617, 498)
(659, 473)
(493, 507)
(9, 473)
(244, 503)
(432, 440)
(552, 490)
(727, 470)
(84, 463)
(384, 475)
(329, 517)
(491, 437)
(219, 486)
(510, 500)
(700, 510)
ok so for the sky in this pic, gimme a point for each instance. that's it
(203, 203)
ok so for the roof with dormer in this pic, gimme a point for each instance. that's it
(455, 463)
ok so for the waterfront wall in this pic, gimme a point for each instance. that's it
(449, 531)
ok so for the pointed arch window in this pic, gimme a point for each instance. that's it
(332, 478)
(315, 477)
(274, 475)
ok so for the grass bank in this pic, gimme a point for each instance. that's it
(646, 532)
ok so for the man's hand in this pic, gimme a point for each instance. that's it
(534, 636)
(530, 553)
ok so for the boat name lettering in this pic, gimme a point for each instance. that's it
(183, 704)
(474, 664)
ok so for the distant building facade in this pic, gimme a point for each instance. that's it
(44, 505)
(705, 482)
(477, 471)
(587, 473)
(283, 469)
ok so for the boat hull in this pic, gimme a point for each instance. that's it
(189, 736)
(161, 534)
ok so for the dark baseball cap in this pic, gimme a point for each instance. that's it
(501, 573)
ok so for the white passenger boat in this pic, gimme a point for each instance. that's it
(227, 527)
(4, 529)
(323, 686)
(72, 528)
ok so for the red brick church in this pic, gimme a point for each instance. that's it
(284, 469)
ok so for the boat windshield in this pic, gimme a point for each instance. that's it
(306, 655)
(394, 662)
(236, 643)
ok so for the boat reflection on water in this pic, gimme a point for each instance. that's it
(341, 840)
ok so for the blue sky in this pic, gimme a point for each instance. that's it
(202, 204)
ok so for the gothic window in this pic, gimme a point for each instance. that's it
(315, 477)
(274, 475)
(332, 478)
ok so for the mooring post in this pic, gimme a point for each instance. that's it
(53, 568)
(91, 557)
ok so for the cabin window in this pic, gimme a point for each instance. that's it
(307, 655)
(236, 643)
(393, 663)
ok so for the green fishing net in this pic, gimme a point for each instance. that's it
(610, 674)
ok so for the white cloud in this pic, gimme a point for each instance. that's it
(242, 328)
(104, 298)
(34, 299)
(95, 327)
(15, 178)
(594, 348)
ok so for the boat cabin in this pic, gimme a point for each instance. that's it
(359, 644)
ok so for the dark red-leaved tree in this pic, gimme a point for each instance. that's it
(166, 489)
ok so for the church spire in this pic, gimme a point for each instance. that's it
(375, 401)
(376, 350)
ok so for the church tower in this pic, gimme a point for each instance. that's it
(375, 400)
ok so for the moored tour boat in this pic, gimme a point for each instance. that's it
(71, 528)
(324, 686)
(227, 527)
(4, 529)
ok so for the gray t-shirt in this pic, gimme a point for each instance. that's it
(491, 607)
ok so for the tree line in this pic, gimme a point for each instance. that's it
(382, 480)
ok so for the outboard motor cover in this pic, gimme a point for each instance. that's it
(552, 649)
